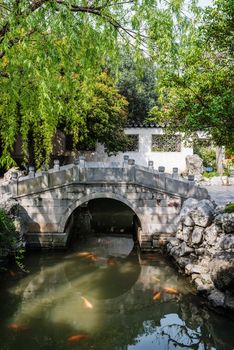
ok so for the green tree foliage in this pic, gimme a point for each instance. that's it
(105, 117)
(7, 231)
(8, 240)
(137, 83)
(51, 53)
(195, 75)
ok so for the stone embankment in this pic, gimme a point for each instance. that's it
(203, 248)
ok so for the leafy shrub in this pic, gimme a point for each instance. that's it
(7, 232)
(208, 154)
(8, 239)
(210, 174)
(229, 208)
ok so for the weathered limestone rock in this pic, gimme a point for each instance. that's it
(222, 274)
(202, 286)
(174, 242)
(190, 268)
(229, 301)
(202, 215)
(194, 165)
(206, 250)
(200, 251)
(188, 221)
(196, 236)
(228, 224)
(179, 234)
(225, 222)
(189, 204)
(228, 242)
(183, 261)
(185, 250)
(186, 233)
(211, 233)
(216, 298)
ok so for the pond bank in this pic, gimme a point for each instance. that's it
(203, 248)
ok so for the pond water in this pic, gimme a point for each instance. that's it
(103, 294)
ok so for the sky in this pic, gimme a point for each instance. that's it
(204, 3)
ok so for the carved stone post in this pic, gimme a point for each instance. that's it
(125, 161)
(151, 164)
(56, 165)
(132, 170)
(175, 173)
(191, 177)
(82, 174)
(31, 171)
(161, 169)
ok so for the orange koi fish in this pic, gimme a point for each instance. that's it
(157, 296)
(87, 303)
(83, 254)
(18, 328)
(170, 290)
(151, 258)
(76, 338)
(88, 255)
(92, 257)
(12, 273)
(111, 261)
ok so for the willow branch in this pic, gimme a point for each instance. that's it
(14, 41)
(94, 10)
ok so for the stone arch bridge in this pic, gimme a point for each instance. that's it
(47, 199)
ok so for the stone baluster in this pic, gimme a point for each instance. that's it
(82, 161)
(125, 161)
(191, 177)
(175, 173)
(43, 169)
(14, 176)
(56, 165)
(76, 172)
(82, 170)
(132, 170)
(31, 172)
(131, 162)
(161, 169)
(150, 164)
(14, 183)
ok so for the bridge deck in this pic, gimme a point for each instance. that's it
(106, 173)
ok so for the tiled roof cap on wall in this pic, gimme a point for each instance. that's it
(143, 124)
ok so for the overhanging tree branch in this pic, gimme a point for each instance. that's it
(94, 10)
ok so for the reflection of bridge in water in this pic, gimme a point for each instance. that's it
(48, 199)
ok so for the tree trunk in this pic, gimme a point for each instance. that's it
(219, 159)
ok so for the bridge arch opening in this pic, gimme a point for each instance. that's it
(102, 217)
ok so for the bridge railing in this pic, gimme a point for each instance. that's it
(81, 172)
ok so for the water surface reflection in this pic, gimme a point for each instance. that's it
(103, 294)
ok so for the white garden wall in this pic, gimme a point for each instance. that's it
(144, 154)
